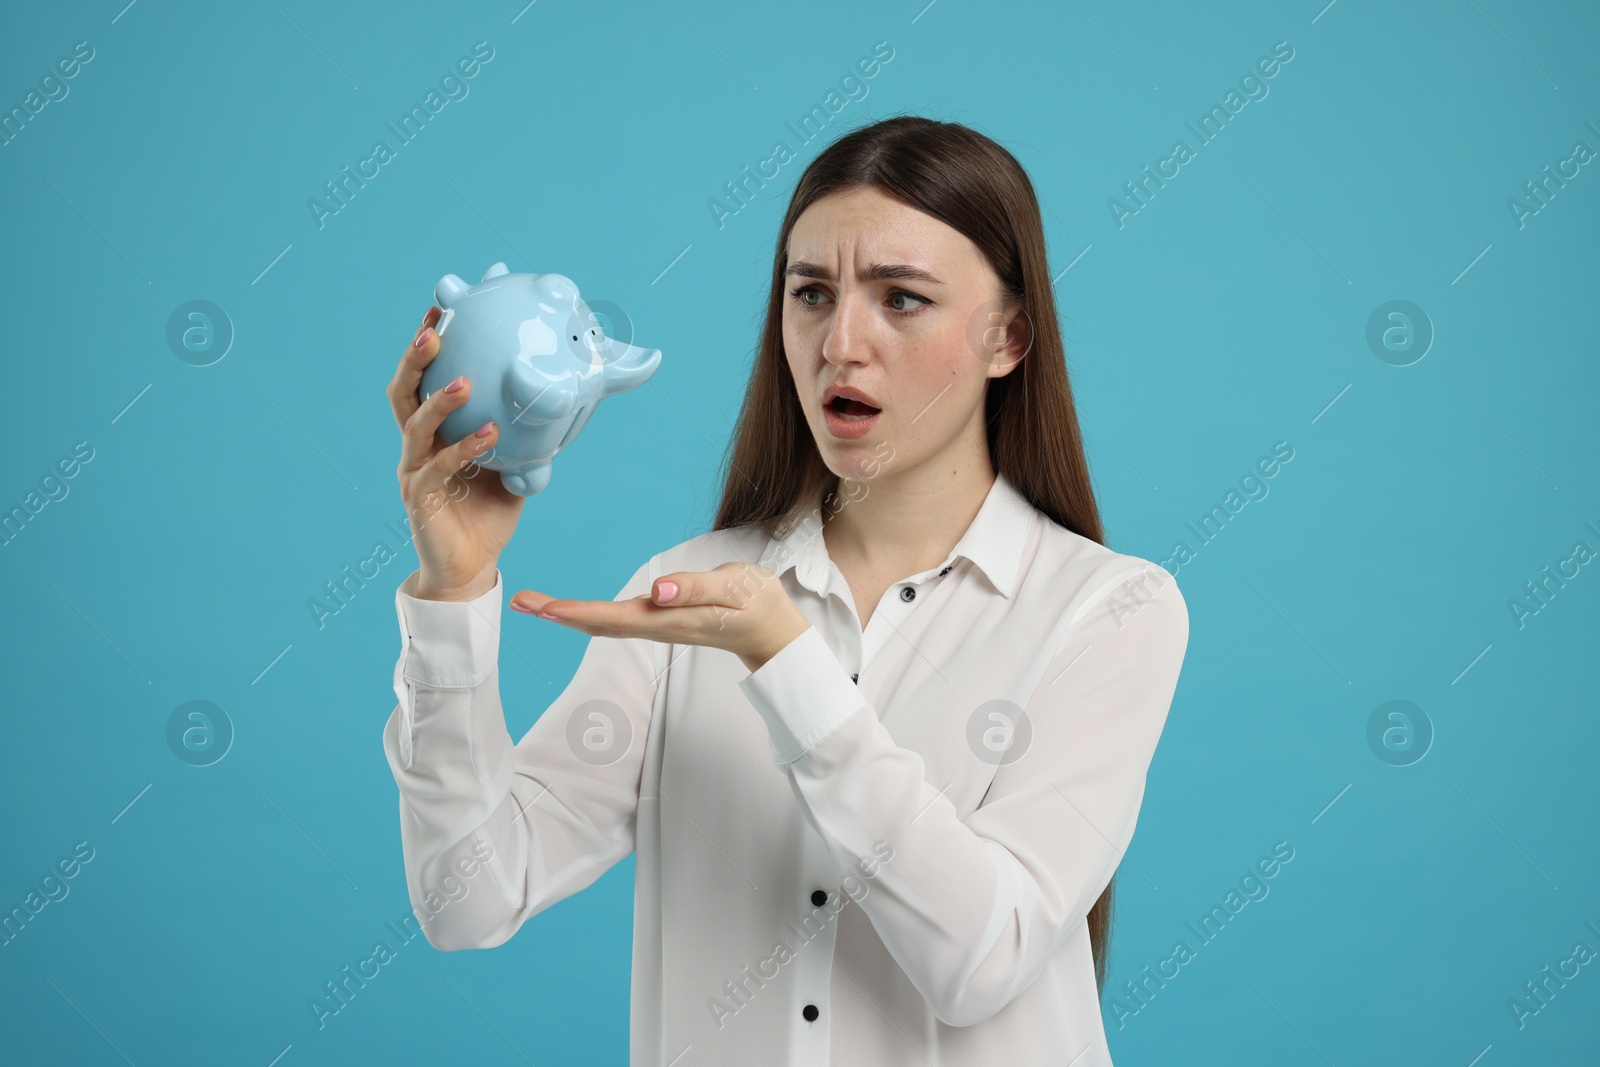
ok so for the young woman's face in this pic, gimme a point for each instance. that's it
(922, 343)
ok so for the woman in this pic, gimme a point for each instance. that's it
(879, 737)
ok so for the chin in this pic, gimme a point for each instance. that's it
(857, 461)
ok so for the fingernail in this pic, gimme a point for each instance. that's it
(666, 591)
(518, 607)
(422, 336)
(549, 615)
(455, 386)
(483, 431)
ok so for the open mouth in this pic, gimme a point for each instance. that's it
(851, 410)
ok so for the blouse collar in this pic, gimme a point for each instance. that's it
(994, 542)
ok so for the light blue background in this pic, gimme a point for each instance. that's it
(1226, 316)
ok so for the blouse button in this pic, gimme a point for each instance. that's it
(818, 897)
(907, 593)
(856, 678)
(810, 1012)
(944, 572)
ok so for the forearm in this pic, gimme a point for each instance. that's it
(967, 922)
(543, 821)
(972, 906)
(455, 780)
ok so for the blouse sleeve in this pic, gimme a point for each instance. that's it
(972, 909)
(493, 833)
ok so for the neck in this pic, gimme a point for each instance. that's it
(908, 521)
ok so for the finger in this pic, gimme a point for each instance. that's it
(419, 434)
(731, 585)
(606, 618)
(529, 602)
(451, 461)
(600, 618)
(534, 602)
(402, 389)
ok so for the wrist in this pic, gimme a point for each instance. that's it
(797, 625)
(423, 588)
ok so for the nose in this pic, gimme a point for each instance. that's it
(848, 338)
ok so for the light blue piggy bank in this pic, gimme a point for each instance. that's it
(539, 363)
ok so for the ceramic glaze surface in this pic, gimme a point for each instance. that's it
(539, 363)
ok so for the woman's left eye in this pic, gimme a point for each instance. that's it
(913, 296)
(800, 293)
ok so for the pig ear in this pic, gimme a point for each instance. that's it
(495, 271)
(449, 290)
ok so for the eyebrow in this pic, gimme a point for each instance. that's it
(877, 272)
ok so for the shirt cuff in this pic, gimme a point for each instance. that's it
(803, 694)
(452, 644)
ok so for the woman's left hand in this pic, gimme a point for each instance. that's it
(739, 607)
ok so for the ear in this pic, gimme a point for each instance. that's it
(1012, 338)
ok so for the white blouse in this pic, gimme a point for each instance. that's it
(880, 848)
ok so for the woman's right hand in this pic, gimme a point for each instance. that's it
(461, 515)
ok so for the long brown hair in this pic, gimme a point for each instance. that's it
(774, 471)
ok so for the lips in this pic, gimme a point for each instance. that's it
(849, 413)
(848, 400)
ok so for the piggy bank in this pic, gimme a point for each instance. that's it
(539, 363)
